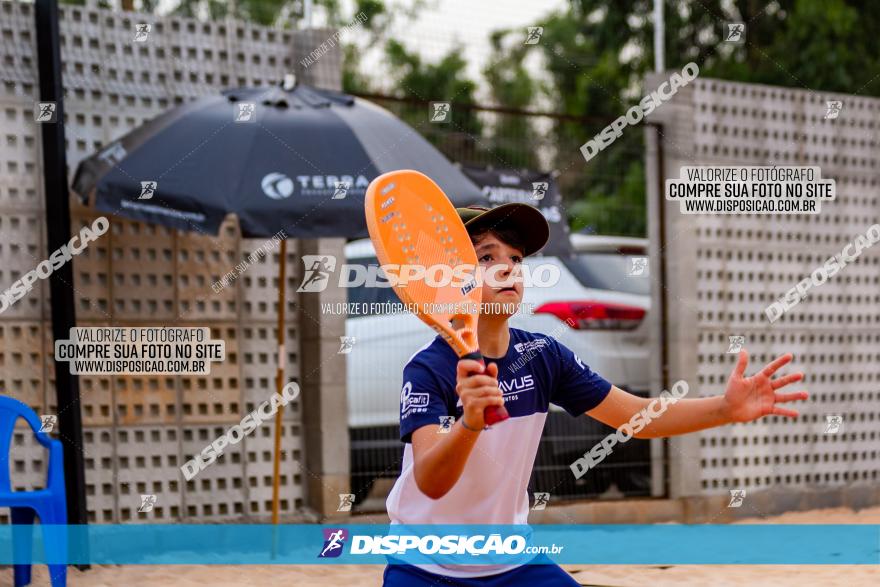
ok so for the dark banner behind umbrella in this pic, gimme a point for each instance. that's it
(501, 186)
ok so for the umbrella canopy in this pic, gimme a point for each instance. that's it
(298, 159)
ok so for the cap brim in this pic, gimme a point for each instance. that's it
(527, 221)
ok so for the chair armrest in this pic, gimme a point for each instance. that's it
(41, 437)
(35, 424)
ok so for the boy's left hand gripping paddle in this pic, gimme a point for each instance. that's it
(412, 222)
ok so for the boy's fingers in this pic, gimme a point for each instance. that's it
(467, 366)
(492, 370)
(484, 402)
(741, 363)
(784, 412)
(776, 364)
(785, 380)
(478, 381)
(782, 398)
(484, 391)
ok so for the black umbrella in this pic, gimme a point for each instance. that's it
(298, 159)
(291, 157)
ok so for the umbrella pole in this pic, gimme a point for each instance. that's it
(279, 380)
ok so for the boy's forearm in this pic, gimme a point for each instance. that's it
(438, 469)
(686, 415)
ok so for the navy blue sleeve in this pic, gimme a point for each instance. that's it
(577, 388)
(422, 399)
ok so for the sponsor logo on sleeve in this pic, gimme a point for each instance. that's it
(412, 401)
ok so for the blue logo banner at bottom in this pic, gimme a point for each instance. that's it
(623, 544)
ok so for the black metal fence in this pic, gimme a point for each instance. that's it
(603, 196)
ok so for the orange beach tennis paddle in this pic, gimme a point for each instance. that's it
(413, 223)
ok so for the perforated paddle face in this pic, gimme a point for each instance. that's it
(414, 225)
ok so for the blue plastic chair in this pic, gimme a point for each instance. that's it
(49, 504)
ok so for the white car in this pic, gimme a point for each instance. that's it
(603, 287)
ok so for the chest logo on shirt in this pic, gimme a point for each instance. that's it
(531, 345)
(511, 388)
(517, 385)
(410, 399)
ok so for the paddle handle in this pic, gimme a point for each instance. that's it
(492, 414)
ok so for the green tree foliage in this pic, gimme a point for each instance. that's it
(264, 12)
(446, 80)
(581, 50)
(376, 21)
(279, 13)
(512, 87)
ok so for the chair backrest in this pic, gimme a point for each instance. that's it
(10, 411)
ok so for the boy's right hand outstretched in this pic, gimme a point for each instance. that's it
(477, 391)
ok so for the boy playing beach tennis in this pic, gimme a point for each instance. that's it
(468, 475)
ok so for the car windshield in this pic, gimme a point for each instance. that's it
(611, 271)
